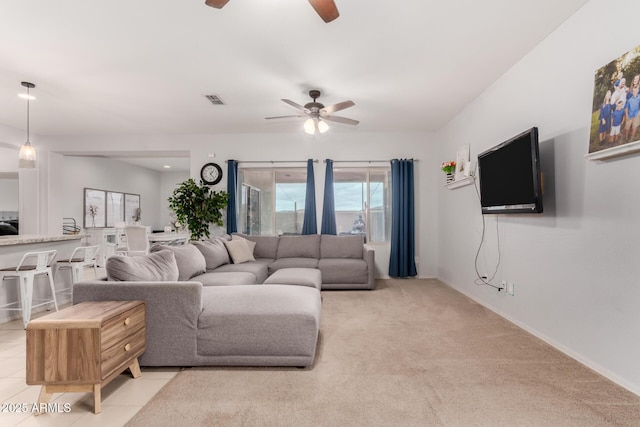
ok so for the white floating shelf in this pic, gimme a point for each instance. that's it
(622, 150)
(460, 182)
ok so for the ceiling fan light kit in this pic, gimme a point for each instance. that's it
(312, 125)
(325, 8)
(317, 114)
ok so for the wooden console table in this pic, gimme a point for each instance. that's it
(83, 347)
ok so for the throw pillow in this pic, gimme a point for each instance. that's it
(252, 245)
(158, 266)
(239, 251)
(214, 252)
(190, 260)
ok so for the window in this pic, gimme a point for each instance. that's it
(363, 202)
(271, 201)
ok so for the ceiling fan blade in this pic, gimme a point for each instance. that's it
(326, 9)
(218, 4)
(296, 106)
(337, 107)
(339, 119)
(285, 117)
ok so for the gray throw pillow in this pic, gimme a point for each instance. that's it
(214, 252)
(240, 251)
(156, 267)
(189, 259)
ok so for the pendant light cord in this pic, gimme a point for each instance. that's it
(28, 102)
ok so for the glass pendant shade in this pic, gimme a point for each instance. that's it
(323, 126)
(310, 127)
(27, 157)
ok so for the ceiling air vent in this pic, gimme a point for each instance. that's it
(214, 99)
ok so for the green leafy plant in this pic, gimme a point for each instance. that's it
(448, 167)
(197, 206)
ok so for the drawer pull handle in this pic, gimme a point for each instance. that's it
(127, 347)
(127, 321)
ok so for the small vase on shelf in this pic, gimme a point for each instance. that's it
(450, 178)
(448, 168)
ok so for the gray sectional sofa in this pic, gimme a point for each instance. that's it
(204, 309)
(344, 261)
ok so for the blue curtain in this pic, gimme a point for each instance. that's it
(402, 260)
(328, 204)
(232, 189)
(310, 223)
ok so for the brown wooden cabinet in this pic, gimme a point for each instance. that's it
(84, 347)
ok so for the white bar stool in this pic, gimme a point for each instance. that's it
(31, 265)
(82, 256)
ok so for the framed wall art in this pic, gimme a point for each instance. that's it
(115, 208)
(462, 163)
(94, 208)
(132, 212)
(615, 112)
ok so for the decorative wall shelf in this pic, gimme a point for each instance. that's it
(460, 182)
(622, 150)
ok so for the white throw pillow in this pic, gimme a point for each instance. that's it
(239, 251)
(252, 245)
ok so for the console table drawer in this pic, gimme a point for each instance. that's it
(121, 351)
(122, 326)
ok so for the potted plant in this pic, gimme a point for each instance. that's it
(448, 168)
(196, 206)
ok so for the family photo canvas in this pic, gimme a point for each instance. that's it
(615, 115)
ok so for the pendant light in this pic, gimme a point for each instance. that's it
(27, 157)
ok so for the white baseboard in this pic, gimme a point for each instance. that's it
(633, 388)
(386, 276)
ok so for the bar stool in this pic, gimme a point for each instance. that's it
(31, 265)
(82, 256)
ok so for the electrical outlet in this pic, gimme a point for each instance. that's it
(503, 285)
(511, 288)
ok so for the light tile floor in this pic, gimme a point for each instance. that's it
(122, 398)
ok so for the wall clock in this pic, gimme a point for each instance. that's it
(211, 173)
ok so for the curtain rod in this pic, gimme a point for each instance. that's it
(273, 161)
(363, 161)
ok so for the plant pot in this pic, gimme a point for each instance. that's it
(450, 178)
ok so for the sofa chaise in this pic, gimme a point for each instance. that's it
(204, 309)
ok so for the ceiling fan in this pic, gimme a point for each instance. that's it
(317, 113)
(325, 8)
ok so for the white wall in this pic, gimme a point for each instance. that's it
(8, 158)
(336, 145)
(110, 175)
(168, 183)
(576, 266)
(9, 195)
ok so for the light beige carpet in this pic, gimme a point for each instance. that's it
(411, 353)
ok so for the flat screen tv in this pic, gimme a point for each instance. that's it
(510, 180)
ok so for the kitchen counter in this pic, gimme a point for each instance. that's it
(34, 238)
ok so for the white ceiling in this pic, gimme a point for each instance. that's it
(144, 66)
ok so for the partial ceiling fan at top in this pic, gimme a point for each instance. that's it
(325, 8)
(318, 114)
